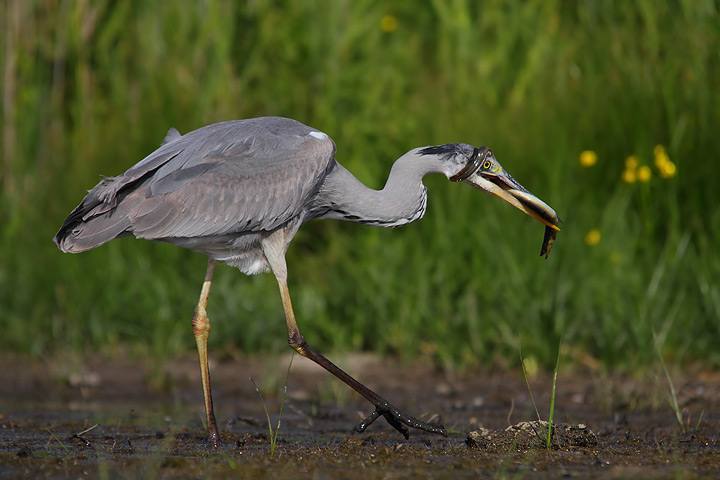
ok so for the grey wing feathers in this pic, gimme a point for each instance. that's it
(245, 194)
(227, 178)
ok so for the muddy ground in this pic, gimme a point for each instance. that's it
(110, 418)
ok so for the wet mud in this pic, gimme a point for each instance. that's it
(111, 418)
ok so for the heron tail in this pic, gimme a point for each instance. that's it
(94, 222)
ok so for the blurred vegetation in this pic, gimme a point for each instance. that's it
(91, 87)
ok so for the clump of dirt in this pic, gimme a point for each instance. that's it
(532, 435)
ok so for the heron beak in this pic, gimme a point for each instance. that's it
(505, 187)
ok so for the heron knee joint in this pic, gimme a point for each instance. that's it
(200, 323)
(297, 342)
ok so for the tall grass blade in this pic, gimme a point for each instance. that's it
(282, 404)
(267, 414)
(64, 447)
(274, 434)
(671, 395)
(527, 382)
(552, 397)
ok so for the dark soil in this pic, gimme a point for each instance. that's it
(102, 418)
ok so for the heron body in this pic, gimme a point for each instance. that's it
(238, 191)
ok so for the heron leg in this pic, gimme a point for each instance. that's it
(399, 420)
(201, 329)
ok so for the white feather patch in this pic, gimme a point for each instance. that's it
(318, 135)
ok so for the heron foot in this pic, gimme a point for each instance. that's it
(399, 421)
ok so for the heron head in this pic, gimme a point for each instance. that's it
(479, 168)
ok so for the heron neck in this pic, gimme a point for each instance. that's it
(402, 200)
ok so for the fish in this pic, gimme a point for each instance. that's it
(548, 241)
(542, 212)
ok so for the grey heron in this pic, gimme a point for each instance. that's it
(238, 191)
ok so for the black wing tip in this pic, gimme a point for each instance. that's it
(67, 236)
(64, 237)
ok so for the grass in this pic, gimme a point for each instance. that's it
(551, 413)
(91, 88)
(64, 447)
(671, 397)
(274, 434)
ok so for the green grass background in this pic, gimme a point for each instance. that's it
(91, 87)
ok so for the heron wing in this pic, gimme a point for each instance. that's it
(229, 177)
(250, 186)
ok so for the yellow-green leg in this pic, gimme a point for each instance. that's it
(201, 329)
(273, 248)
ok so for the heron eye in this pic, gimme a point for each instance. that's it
(486, 165)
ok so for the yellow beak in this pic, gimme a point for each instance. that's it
(503, 186)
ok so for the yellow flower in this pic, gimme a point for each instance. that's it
(661, 157)
(663, 163)
(629, 176)
(644, 173)
(593, 237)
(588, 158)
(388, 23)
(668, 169)
(631, 162)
